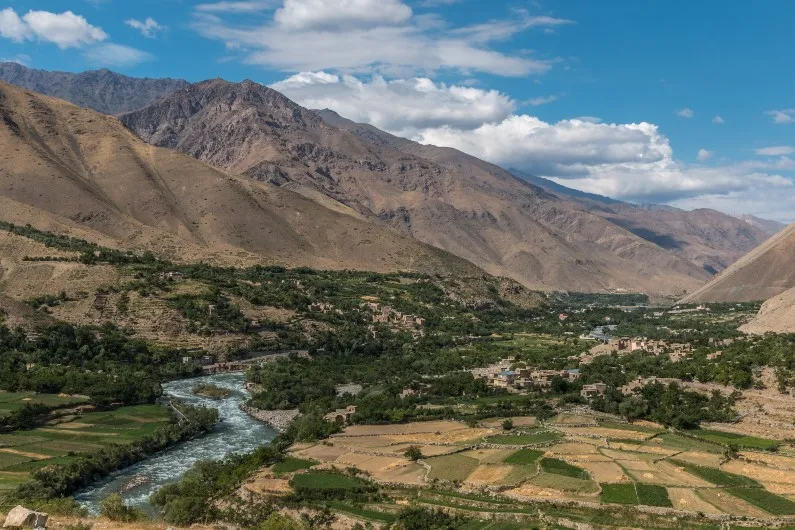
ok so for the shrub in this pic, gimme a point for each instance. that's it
(115, 509)
(413, 453)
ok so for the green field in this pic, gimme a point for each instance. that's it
(318, 480)
(22, 452)
(717, 476)
(559, 467)
(526, 457)
(291, 465)
(451, 467)
(769, 502)
(531, 438)
(619, 494)
(739, 440)
(653, 495)
(12, 401)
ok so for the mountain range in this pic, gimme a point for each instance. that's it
(421, 202)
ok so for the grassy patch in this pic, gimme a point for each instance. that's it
(717, 476)
(619, 494)
(739, 440)
(325, 481)
(526, 457)
(451, 467)
(683, 443)
(291, 465)
(559, 467)
(653, 495)
(761, 498)
(364, 513)
(531, 438)
(564, 483)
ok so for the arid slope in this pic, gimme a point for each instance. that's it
(439, 196)
(82, 172)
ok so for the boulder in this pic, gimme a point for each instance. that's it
(21, 517)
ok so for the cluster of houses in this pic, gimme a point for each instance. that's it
(625, 345)
(341, 416)
(524, 379)
(387, 315)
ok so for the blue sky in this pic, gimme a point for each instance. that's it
(689, 103)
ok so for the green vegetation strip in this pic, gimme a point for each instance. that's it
(653, 495)
(532, 438)
(325, 481)
(291, 465)
(559, 467)
(769, 502)
(619, 494)
(738, 440)
(717, 476)
(525, 457)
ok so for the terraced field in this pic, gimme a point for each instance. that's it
(578, 458)
(22, 452)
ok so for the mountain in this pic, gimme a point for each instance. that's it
(101, 90)
(71, 170)
(776, 315)
(767, 226)
(440, 196)
(763, 273)
(708, 238)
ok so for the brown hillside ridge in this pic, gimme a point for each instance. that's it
(710, 239)
(777, 315)
(439, 196)
(73, 170)
(765, 272)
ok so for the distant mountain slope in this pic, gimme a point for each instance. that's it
(767, 226)
(707, 238)
(765, 272)
(101, 90)
(777, 315)
(74, 170)
(440, 196)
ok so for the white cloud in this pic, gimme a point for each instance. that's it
(718, 120)
(685, 113)
(402, 106)
(704, 155)
(780, 150)
(542, 100)
(341, 15)
(784, 116)
(12, 27)
(503, 29)
(252, 6)
(66, 30)
(366, 36)
(148, 28)
(116, 55)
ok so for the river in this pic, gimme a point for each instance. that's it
(236, 433)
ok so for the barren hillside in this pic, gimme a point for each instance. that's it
(763, 273)
(81, 172)
(439, 196)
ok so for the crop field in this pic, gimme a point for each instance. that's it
(530, 438)
(325, 481)
(12, 401)
(739, 440)
(22, 452)
(595, 461)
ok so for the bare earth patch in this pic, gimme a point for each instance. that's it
(605, 471)
(488, 475)
(731, 504)
(686, 499)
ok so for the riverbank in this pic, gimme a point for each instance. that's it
(277, 419)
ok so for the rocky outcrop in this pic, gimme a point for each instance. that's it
(278, 419)
(21, 517)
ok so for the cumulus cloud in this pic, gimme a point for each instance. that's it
(718, 120)
(148, 28)
(704, 155)
(66, 30)
(780, 150)
(401, 106)
(785, 116)
(365, 36)
(631, 161)
(116, 55)
(341, 15)
(685, 113)
(252, 6)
